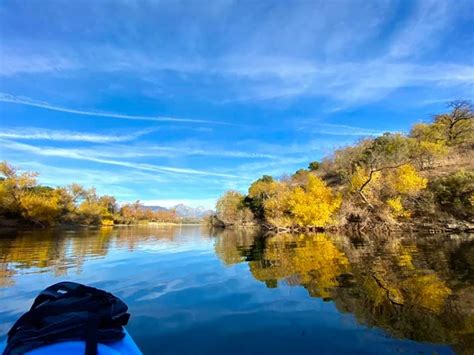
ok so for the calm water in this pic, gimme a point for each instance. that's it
(194, 291)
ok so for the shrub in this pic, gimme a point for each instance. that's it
(397, 208)
(454, 193)
(314, 205)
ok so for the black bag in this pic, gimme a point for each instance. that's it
(69, 311)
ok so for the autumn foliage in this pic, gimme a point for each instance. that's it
(21, 198)
(389, 178)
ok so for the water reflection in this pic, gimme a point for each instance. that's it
(62, 251)
(416, 288)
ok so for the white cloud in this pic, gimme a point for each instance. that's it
(426, 23)
(339, 130)
(80, 155)
(30, 133)
(349, 52)
(20, 100)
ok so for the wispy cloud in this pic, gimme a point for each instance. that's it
(20, 100)
(30, 133)
(78, 155)
(339, 129)
(428, 20)
(56, 175)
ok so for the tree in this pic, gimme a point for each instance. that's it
(456, 126)
(314, 165)
(94, 209)
(384, 153)
(12, 187)
(276, 205)
(396, 207)
(315, 204)
(455, 193)
(259, 191)
(406, 180)
(42, 208)
(231, 210)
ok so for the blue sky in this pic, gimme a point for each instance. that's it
(178, 101)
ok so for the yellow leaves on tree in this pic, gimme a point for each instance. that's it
(315, 204)
(8, 202)
(277, 206)
(397, 208)
(42, 208)
(13, 186)
(360, 177)
(406, 180)
(263, 188)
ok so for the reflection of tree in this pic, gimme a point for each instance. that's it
(416, 288)
(62, 250)
(312, 261)
(232, 246)
(5, 275)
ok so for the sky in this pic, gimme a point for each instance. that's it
(178, 101)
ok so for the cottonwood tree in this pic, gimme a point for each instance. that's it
(457, 125)
(313, 204)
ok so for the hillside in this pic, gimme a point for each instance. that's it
(421, 179)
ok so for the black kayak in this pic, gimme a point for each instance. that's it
(72, 318)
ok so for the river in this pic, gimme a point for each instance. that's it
(193, 290)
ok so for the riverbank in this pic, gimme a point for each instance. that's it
(411, 227)
(423, 180)
(24, 225)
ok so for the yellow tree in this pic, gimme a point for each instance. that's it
(276, 207)
(403, 182)
(261, 190)
(406, 180)
(457, 126)
(41, 207)
(315, 204)
(13, 186)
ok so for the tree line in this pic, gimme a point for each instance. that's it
(22, 199)
(425, 175)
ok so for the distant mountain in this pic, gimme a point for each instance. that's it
(157, 208)
(192, 212)
(185, 211)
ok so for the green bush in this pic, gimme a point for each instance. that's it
(455, 193)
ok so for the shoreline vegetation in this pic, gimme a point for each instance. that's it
(25, 203)
(423, 180)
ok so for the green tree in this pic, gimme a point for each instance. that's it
(314, 165)
(455, 193)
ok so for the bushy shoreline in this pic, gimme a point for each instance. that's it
(23, 202)
(422, 180)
